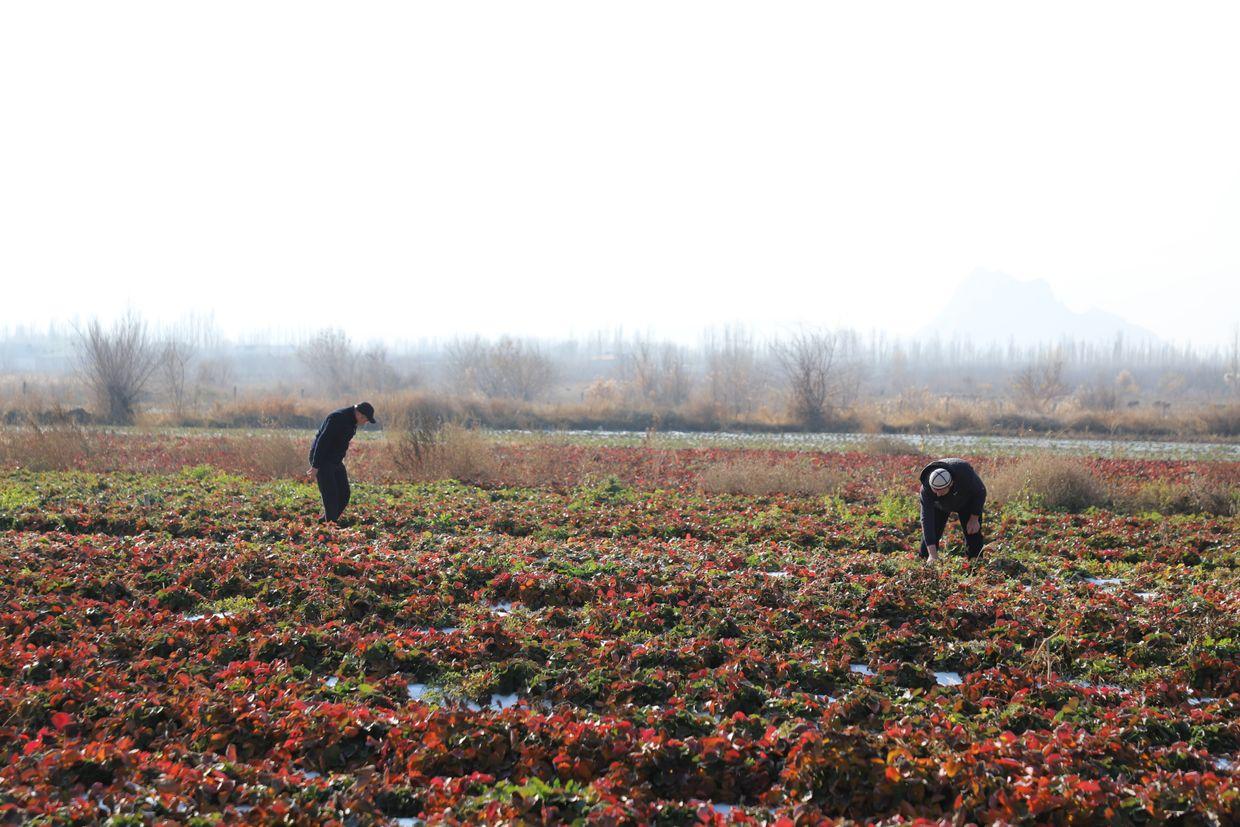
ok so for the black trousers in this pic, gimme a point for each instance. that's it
(973, 542)
(334, 486)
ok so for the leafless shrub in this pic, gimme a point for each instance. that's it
(424, 444)
(455, 452)
(808, 360)
(116, 365)
(756, 476)
(413, 426)
(1047, 481)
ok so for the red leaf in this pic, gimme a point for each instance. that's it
(60, 720)
(32, 747)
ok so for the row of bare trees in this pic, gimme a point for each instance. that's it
(815, 374)
(120, 365)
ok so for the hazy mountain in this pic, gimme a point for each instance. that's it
(994, 307)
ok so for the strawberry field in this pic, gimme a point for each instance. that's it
(184, 645)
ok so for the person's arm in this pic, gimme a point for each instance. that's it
(314, 446)
(927, 520)
(978, 501)
(322, 443)
(976, 504)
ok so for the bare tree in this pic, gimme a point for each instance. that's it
(731, 370)
(808, 362)
(641, 367)
(174, 361)
(330, 358)
(116, 365)
(658, 371)
(1040, 385)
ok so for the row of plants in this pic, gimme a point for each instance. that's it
(194, 647)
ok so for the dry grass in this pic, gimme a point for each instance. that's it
(1066, 484)
(46, 447)
(607, 406)
(448, 451)
(278, 457)
(1048, 481)
(1223, 420)
(1200, 495)
(758, 476)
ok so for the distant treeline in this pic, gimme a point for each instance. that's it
(731, 377)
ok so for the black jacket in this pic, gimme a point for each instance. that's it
(967, 495)
(332, 441)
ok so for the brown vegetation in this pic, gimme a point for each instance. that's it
(278, 456)
(42, 446)
(116, 365)
(1048, 481)
(604, 407)
(1199, 495)
(425, 442)
(1068, 484)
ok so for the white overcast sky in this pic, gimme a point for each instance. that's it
(416, 169)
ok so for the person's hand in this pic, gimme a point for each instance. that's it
(974, 525)
(932, 554)
(312, 474)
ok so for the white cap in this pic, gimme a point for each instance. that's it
(940, 479)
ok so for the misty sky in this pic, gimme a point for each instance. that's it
(413, 169)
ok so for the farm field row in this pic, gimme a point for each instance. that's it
(192, 646)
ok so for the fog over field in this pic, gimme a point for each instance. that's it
(552, 169)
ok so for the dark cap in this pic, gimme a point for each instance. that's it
(367, 410)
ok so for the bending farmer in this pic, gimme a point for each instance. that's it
(949, 485)
(331, 443)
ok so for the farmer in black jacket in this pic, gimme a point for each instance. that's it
(327, 456)
(949, 485)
